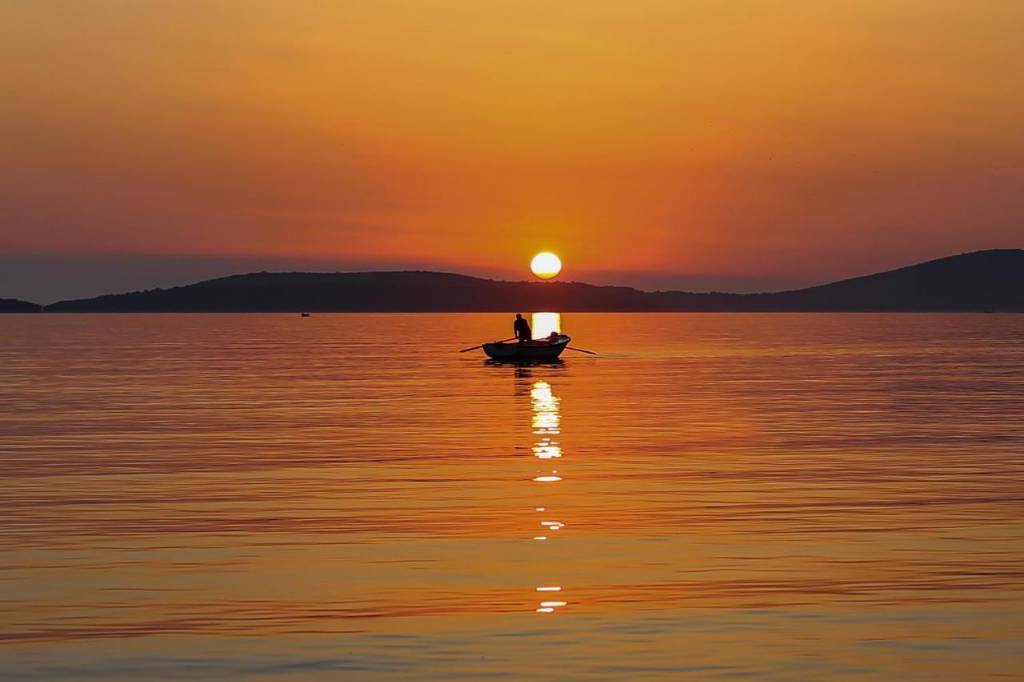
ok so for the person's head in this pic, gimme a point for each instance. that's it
(519, 316)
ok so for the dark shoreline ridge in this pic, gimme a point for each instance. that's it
(990, 280)
(13, 305)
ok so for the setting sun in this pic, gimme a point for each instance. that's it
(546, 265)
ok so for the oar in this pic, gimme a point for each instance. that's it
(582, 350)
(480, 345)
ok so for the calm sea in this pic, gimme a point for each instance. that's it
(347, 497)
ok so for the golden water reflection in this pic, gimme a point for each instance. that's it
(546, 422)
(827, 497)
(542, 324)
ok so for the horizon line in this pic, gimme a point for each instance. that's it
(519, 281)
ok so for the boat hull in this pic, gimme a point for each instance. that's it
(534, 351)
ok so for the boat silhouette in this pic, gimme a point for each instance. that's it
(538, 350)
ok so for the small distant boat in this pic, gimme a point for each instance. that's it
(305, 314)
(538, 350)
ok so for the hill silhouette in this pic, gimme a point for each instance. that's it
(983, 280)
(13, 305)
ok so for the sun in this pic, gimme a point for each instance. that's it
(546, 265)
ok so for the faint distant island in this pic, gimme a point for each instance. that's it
(981, 281)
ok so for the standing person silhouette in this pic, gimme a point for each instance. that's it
(522, 329)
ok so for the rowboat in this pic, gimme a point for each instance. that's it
(538, 350)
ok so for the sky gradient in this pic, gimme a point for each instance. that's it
(744, 145)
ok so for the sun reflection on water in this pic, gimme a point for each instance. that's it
(542, 324)
(546, 422)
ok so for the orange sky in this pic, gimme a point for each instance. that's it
(647, 142)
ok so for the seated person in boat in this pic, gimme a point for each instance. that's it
(522, 329)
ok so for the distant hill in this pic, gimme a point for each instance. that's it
(13, 305)
(978, 281)
(983, 280)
